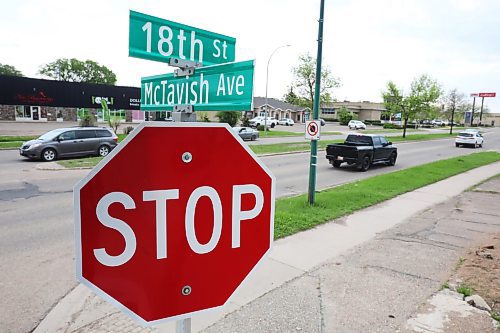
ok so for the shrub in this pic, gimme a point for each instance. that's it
(230, 117)
(392, 126)
(344, 116)
(261, 128)
(128, 129)
(245, 121)
(87, 120)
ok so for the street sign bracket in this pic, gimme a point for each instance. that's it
(183, 113)
(185, 67)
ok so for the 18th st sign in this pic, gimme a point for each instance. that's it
(157, 39)
(227, 87)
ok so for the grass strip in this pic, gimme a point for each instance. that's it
(295, 214)
(86, 162)
(11, 144)
(288, 147)
(16, 138)
(276, 134)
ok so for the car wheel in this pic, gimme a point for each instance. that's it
(253, 138)
(392, 160)
(336, 164)
(457, 145)
(481, 145)
(103, 151)
(365, 164)
(48, 155)
(272, 125)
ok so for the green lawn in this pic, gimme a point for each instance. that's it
(274, 133)
(305, 145)
(11, 142)
(295, 214)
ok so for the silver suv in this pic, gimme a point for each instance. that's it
(70, 142)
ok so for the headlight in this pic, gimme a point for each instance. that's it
(34, 145)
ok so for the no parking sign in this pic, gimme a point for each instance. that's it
(313, 129)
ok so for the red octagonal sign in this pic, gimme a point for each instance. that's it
(173, 220)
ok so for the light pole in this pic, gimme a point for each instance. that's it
(267, 82)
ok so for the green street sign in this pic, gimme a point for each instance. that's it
(153, 38)
(226, 87)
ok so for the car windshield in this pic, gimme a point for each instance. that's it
(467, 135)
(50, 135)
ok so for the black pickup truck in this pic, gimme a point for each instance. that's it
(362, 151)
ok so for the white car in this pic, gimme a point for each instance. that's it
(257, 121)
(469, 138)
(286, 122)
(356, 124)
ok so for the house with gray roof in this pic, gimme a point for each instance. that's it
(276, 109)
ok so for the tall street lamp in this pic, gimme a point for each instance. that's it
(267, 82)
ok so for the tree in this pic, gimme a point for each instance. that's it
(345, 116)
(424, 91)
(74, 70)
(305, 77)
(454, 102)
(9, 70)
(230, 117)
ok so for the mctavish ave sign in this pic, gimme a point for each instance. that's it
(227, 87)
(166, 226)
(157, 39)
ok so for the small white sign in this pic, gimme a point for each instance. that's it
(313, 129)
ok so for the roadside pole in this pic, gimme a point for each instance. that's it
(314, 143)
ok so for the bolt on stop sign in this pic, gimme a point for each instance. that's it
(173, 220)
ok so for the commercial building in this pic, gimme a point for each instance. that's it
(363, 110)
(37, 100)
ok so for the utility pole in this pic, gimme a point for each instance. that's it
(314, 143)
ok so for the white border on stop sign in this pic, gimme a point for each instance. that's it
(103, 163)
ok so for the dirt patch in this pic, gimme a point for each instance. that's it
(479, 270)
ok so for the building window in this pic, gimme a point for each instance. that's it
(23, 111)
(328, 110)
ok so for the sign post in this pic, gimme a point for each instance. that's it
(314, 143)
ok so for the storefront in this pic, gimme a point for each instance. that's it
(27, 99)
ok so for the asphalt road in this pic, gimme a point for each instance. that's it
(36, 220)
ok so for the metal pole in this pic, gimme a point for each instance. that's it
(481, 113)
(452, 118)
(183, 326)
(314, 143)
(473, 109)
(267, 82)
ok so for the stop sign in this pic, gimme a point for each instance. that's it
(173, 220)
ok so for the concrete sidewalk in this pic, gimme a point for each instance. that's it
(367, 272)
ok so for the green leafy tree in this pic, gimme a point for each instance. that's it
(9, 70)
(344, 116)
(305, 79)
(424, 91)
(230, 117)
(74, 70)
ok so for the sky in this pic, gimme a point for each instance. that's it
(366, 42)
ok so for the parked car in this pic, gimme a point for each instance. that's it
(257, 121)
(362, 151)
(246, 133)
(286, 122)
(70, 142)
(470, 137)
(356, 124)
